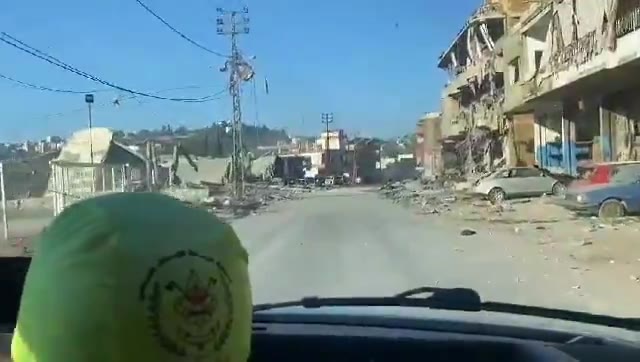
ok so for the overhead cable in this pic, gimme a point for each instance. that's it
(182, 35)
(52, 60)
(215, 96)
(43, 88)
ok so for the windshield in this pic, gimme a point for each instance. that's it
(625, 174)
(254, 110)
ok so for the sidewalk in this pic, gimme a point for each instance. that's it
(589, 247)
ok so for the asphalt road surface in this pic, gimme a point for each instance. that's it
(350, 242)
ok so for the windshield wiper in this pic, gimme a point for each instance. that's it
(455, 299)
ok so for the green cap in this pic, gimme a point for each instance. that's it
(135, 277)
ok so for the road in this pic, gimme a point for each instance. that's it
(350, 242)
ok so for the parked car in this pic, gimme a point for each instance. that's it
(600, 173)
(517, 182)
(618, 197)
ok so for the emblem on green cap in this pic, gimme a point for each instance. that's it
(189, 303)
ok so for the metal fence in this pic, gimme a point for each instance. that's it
(70, 182)
(26, 207)
(33, 193)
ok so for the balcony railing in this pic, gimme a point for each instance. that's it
(488, 10)
(576, 53)
(628, 22)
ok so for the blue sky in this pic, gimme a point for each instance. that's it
(346, 57)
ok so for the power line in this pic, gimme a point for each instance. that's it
(182, 35)
(43, 88)
(215, 96)
(52, 60)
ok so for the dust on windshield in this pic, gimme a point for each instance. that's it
(342, 142)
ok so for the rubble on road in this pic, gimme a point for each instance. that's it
(218, 200)
(431, 198)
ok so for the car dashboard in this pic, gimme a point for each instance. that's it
(330, 342)
(318, 342)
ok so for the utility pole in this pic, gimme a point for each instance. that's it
(327, 118)
(88, 98)
(354, 174)
(234, 23)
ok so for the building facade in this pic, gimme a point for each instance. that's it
(428, 152)
(575, 72)
(473, 124)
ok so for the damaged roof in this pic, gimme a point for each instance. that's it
(210, 170)
(99, 141)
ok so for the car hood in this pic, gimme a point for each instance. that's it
(580, 189)
(443, 316)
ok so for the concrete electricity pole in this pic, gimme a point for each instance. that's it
(327, 118)
(234, 23)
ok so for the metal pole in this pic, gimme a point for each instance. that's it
(124, 177)
(90, 133)
(237, 115)
(327, 118)
(88, 98)
(5, 223)
(113, 179)
(104, 179)
(54, 186)
(355, 163)
(148, 166)
(238, 25)
(63, 189)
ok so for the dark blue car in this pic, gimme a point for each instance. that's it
(617, 198)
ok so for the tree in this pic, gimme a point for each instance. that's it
(391, 149)
(181, 131)
(118, 134)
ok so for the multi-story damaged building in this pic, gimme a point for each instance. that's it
(572, 70)
(473, 122)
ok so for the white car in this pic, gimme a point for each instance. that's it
(517, 182)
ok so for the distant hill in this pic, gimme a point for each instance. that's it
(211, 141)
(214, 141)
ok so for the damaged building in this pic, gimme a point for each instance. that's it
(428, 151)
(473, 123)
(573, 69)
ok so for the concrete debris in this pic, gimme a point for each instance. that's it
(468, 232)
(430, 198)
(258, 195)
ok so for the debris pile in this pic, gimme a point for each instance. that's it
(257, 196)
(431, 198)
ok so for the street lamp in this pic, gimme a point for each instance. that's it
(88, 98)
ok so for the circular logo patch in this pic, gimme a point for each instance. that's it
(188, 299)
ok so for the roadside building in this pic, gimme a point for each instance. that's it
(429, 147)
(419, 147)
(90, 163)
(363, 160)
(574, 69)
(473, 125)
(336, 142)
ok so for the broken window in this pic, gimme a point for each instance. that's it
(514, 70)
(499, 80)
(525, 172)
(538, 60)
